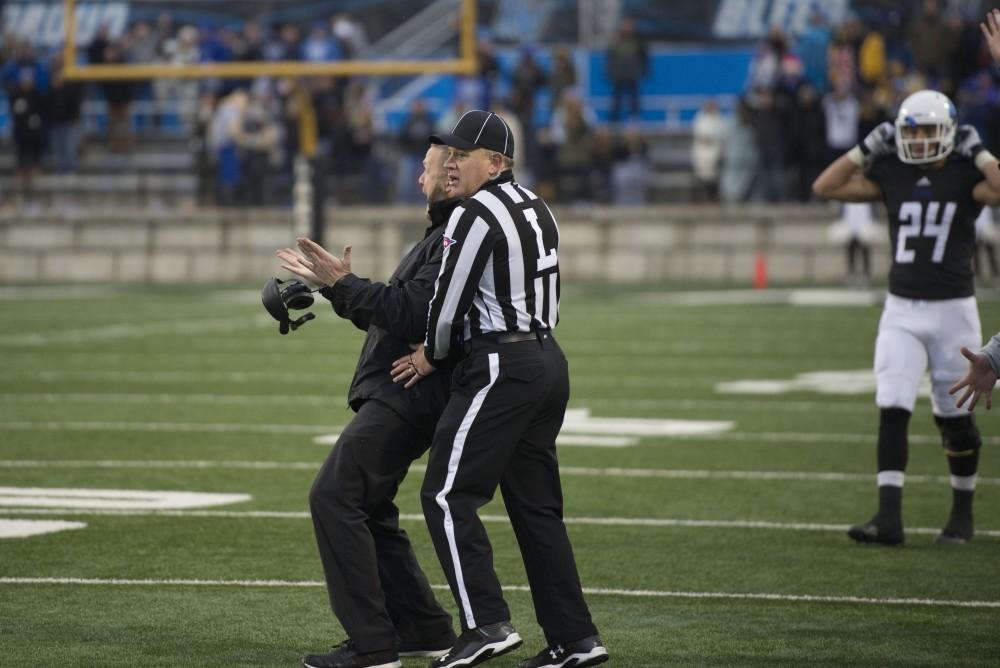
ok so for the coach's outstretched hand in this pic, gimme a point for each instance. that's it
(991, 30)
(295, 263)
(979, 381)
(314, 263)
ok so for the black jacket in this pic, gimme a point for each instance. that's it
(395, 315)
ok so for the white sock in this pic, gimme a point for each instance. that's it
(966, 483)
(895, 478)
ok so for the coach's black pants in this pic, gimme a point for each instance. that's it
(500, 427)
(364, 552)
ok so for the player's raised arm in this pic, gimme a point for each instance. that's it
(986, 194)
(969, 145)
(844, 180)
(991, 30)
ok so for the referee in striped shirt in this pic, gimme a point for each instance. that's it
(498, 292)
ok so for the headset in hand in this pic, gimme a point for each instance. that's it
(278, 296)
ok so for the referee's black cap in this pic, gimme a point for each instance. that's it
(479, 129)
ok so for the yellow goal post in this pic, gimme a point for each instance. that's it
(465, 64)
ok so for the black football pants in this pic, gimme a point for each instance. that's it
(377, 589)
(499, 428)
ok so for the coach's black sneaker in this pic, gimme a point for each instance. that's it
(958, 531)
(480, 644)
(427, 648)
(578, 654)
(878, 531)
(348, 656)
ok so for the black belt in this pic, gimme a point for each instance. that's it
(496, 338)
(515, 337)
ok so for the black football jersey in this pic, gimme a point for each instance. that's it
(932, 219)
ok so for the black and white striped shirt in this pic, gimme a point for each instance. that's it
(500, 271)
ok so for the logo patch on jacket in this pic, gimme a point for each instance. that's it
(448, 241)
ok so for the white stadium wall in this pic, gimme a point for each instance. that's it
(617, 245)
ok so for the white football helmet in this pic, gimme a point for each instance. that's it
(934, 112)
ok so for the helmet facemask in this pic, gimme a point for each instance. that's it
(922, 143)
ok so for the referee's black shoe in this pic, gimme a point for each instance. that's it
(878, 531)
(480, 644)
(348, 656)
(578, 654)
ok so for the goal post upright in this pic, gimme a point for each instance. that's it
(69, 44)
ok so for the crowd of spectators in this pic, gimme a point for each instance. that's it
(244, 134)
(807, 99)
(810, 99)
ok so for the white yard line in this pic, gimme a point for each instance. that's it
(594, 591)
(696, 474)
(27, 528)
(311, 376)
(792, 297)
(170, 399)
(188, 427)
(62, 292)
(715, 405)
(800, 437)
(721, 405)
(161, 464)
(324, 435)
(500, 519)
(188, 376)
(795, 437)
(129, 330)
(112, 499)
(600, 472)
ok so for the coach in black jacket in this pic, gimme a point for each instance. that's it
(377, 589)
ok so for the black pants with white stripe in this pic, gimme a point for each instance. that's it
(499, 428)
(377, 589)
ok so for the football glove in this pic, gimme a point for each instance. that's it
(967, 142)
(880, 141)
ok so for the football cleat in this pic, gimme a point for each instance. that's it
(958, 531)
(878, 532)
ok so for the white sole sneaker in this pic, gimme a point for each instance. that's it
(426, 653)
(391, 664)
(508, 644)
(594, 657)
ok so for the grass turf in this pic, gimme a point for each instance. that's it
(93, 387)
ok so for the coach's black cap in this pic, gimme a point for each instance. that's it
(479, 129)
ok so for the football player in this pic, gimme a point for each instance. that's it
(934, 177)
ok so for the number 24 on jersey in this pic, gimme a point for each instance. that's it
(918, 221)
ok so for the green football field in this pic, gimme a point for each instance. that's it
(707, 507)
